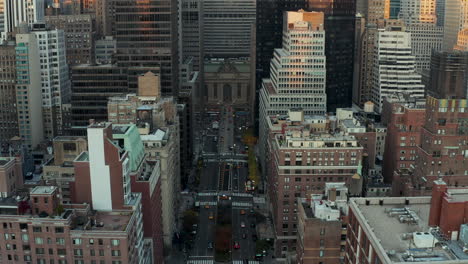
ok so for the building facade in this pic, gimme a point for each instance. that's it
(79, 36)
(228, 28)
(449, 75)
(394, 67)
(8, 114)
(28, 83)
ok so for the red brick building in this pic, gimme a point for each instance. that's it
(72, 233)
(443, 152)
(300, 163)
(404, 122)
(321, 232)
(11, 175)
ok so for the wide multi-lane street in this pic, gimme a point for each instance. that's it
(223, 176)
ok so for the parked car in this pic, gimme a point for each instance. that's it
(236, 245)
(242, 224)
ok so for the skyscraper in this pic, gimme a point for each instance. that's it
(227, 28)
(28, 87)
(449, 75)
(22, 11)
(147, 34)
(55, 82)
(8, 118)
(394, 67)
(297, 72)
(418, 11)
(339, 49)
(455, 20)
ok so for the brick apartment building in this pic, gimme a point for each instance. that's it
(443, 152)
(301, 164)
(409, 229)
(34, 231)
(321, 231)
(404, 121)
(11, 175)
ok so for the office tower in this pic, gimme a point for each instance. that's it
(339, 49)
(79, 36)
(440, 12)
(375, 229)
(29, 92)
(91, 87)
(394, 67)
(17, 12)
(455, 21)
(370, 17)
(8, 117)
(395, 6)
(2, 18)
(449, 75)
(147, 36)
(426, 38)
(321, 225)
(269, 28)
(302, 88)
(55, 82)
(418, 11)
(104, 50)
(227, 28)
(192, 33)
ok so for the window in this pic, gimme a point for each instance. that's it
(116, 253)
(322, 253)
(59, 230)
(25, 237)
(78, 252)
(115, 242)
(322, 231)
(322, 243)
(40, 251)
(100, 242)
(60, 241)
(77, 241)
(51, 251)
(79, 261)
(92, 252)
(91, 241)
(116, 262)
(39, 240)
(61, 251)
(101, 252)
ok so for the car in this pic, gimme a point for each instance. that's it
(207, 206)
(252, 225)
(211, 217)
(210, 245)
(224, 197)
(242, 212)
(236, 245)
(251, 211)
(194, 232)
(254, 237)
(244, 236)
(246, 147)
(242, 224)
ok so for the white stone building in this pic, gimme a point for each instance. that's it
(425, 39)
(394, 67)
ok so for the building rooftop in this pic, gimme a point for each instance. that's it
(84, 156)
(156, 136)
(112, 221)
(120, 129)
(400, 227)
(43, 190)
(4, 161)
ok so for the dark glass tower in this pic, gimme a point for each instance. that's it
(339, 49)
(146, 34)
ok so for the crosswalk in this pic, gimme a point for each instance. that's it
(241, 204)
(208, 203)
(245, 262)
(200, 261)
(208, 194)
(242, 194)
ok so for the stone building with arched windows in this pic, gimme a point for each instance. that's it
(228, 82)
